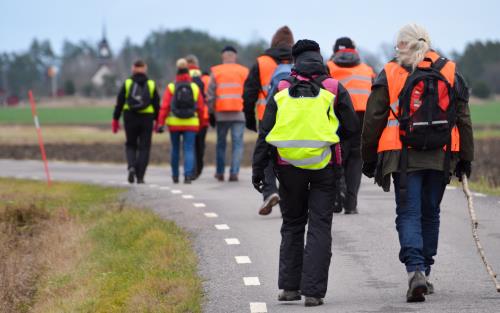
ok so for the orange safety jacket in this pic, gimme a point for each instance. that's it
(229, 79)
(357, 80)
(396, 79)
(266, 65)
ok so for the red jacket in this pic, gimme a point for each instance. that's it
(166, 102)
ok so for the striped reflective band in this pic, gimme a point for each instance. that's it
(261, 102)
(300, 143)
(228, 85)
(230, 96)
(432, 123)
(309, 161)
(392, 123)
(355, 77)
(265, 88)
(358, 91)
(394, 105)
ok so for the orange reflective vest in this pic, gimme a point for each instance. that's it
(266, 65)
(357, 80)
(396, 78)
(229, 79)
(206, 80)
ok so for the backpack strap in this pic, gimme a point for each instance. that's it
(439, 64)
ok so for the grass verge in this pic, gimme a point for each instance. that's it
(82, 115)
(77, 248)
(481, 185)
(487, 113)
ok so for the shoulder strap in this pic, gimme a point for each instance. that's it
(439, 64)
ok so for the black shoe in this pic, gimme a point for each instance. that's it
(313, 301)
(351, 211)
(187, 180)
(289, 295)
(140, 180)
(131, 175)
(417, 288)
(175, 179)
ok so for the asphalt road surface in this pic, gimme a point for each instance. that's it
(238, 249)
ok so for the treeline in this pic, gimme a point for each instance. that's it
(79, 61)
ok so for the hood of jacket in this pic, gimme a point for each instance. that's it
(346, 58)
(280, 54)
(309, 63)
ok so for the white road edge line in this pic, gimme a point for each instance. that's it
(199, 205)
(222, 226)
(176, 191)
(478, 194)
(258, 307)
(187, 196)
(232, 241)
(211, 215)
(242, 259)
(251, 281)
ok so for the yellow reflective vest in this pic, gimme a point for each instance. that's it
(151, 87)
(173, 120)
(305, 129)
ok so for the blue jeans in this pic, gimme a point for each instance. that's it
(188, 152)
(417, 222)
(237, 129)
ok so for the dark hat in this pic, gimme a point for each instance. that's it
(282, 38)
(343, 43)
(229, 48)
(304, 45)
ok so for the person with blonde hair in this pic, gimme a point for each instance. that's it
(417, 128)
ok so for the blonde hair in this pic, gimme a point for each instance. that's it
(192, 59)
(415, 42)
(182, 63)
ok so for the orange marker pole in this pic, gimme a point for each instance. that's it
(40, 139)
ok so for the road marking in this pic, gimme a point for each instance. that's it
(199, 205)
(232, 241)
(251, 281)
(153, 186)
(242, 259)
(176, 191)
(451, 187)
(222, 226)
(188, 196)
(164, 188)
(478, 194)
(258, 307)
(211, 214)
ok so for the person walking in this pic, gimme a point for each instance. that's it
(225, 103)
(302, 126)
(181, 110)
(417, 128)
(345, 65)
(255, 93)
(139, 101)
(197, 77)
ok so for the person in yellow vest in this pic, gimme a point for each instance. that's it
(181, 110)
(225, 103)
(302, 126)
(418, 129)
(140, 103)
(254, 100)
(345, 65)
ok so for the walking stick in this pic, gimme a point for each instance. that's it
(474, 224)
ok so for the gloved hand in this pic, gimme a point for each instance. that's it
(251, 124)
(258, 181)
(160, 129)
(463, 167)
(115, 126)
(369, 169)
(155, 126)
(211, 119)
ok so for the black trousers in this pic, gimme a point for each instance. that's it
(306, 197)
(200, 150)
(138, 132)
(352, 168)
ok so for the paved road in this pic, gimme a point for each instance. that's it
(365, 276)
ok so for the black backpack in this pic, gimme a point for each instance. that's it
(183, 103)
(426, 114)
(139, 96)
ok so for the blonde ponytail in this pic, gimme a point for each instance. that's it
(414, 43)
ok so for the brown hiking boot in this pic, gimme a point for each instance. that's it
(267, 207)
(233, 177)
(417, 288)
(219, 177)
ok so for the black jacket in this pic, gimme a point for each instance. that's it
(252, 84)
(349, 123)
(141, 79)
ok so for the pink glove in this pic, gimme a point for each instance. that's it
(115, 126)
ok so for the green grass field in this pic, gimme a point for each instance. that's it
(58, 116)
(487, 113)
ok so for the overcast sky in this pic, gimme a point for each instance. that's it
(451, 24)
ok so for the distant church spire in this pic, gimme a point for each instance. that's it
(104, 51)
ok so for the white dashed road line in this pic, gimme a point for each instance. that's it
(210, 214)
(187, 196)
(199, 205)
(258, 307)
(251, 281)
(222, 226)
(232, 241)
(242, 259)
(176, 191)
(451, 187)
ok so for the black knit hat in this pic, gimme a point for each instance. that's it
(343, 43)
(229, 48)
(304, 45)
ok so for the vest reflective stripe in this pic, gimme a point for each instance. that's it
(305, 129)
(173, 120)
(229, 80)
(396, 78)
(151, 87)
(267, 66)
(357, 80)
